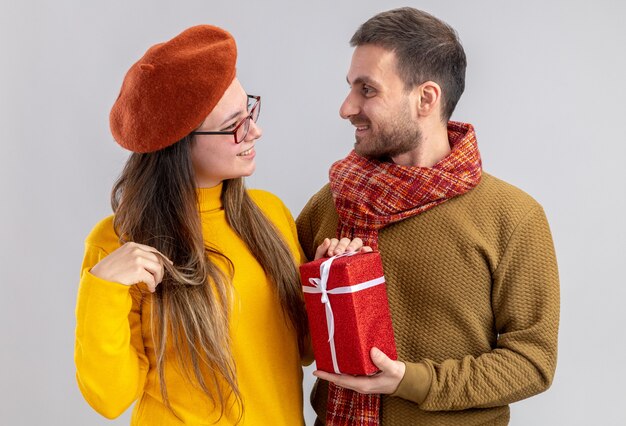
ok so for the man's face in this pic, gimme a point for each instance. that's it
(379, 106)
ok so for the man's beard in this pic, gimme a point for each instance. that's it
(398, 137)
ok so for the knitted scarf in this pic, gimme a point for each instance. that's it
(371, 194)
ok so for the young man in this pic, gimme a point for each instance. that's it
(469, 261)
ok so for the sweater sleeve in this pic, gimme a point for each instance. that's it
(525, 302)
(111, 365)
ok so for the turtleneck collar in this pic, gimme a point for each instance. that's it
(209, 199)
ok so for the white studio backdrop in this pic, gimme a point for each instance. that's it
(545, 90)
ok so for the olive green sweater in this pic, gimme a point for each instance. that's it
(474, 296)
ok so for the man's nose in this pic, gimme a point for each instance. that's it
(349, 107)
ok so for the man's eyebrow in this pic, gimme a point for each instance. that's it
(363, 80)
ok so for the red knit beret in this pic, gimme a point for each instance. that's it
(169, 91)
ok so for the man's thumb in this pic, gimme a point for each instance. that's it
(379, 358)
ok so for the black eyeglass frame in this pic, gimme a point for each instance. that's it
(256, 106)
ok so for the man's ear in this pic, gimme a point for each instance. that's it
(428, 99)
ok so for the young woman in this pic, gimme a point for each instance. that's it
(189, 300)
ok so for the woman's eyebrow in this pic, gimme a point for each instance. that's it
(230, 117)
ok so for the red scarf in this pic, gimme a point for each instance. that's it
(370, 195)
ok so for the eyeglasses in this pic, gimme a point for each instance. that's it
(241, 129)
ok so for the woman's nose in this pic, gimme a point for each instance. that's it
(254, 132)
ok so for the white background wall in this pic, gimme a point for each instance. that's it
(545, 90)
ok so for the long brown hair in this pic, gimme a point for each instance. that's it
(155, 203)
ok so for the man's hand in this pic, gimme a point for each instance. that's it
(384, 382)
(332, 247)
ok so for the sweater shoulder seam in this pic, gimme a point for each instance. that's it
(513, 232)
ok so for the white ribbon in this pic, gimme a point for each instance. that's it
(320, 286)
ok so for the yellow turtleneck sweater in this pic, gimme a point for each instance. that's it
(114, 352)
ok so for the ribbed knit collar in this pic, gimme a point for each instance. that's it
(209, 199)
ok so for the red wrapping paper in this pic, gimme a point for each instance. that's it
(362, 319)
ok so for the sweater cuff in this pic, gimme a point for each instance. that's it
(101, 298)
(416, 382)
(105, 291)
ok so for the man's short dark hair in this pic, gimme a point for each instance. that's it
(426, 48)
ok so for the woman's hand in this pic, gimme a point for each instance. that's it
(131, 264)
(332, 247)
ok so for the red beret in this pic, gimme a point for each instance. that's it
(169, 91)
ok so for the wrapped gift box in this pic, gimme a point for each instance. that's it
(356, 312)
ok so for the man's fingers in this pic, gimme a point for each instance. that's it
(332, 248)
(337, 379)
(354, 245)
(362, 384)
(322, 248)
(341, 246)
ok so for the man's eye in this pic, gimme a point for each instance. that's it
(367, 91)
